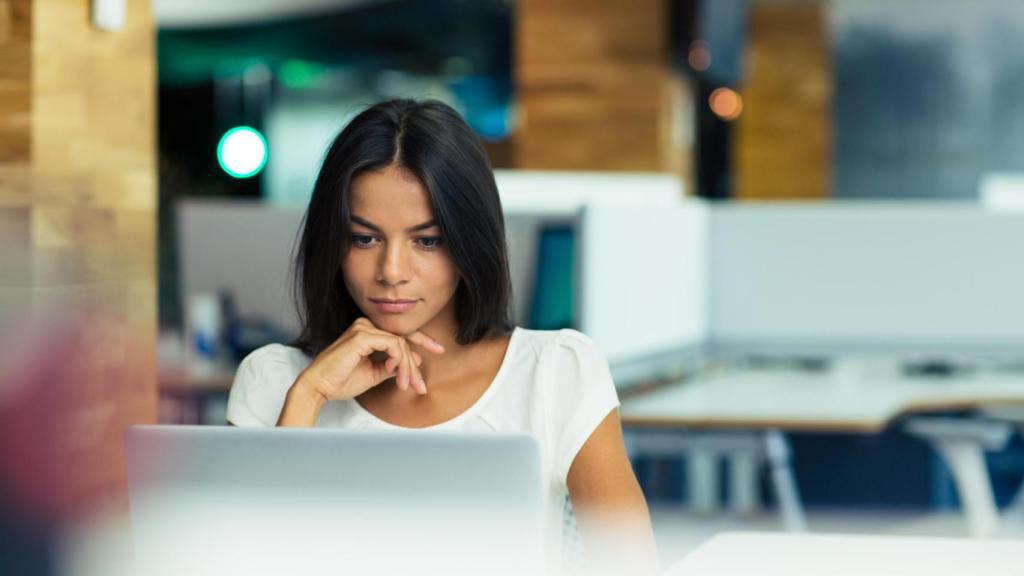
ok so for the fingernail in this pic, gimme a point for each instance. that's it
(422, 386)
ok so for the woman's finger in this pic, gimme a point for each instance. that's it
(416, 361)
(425, 342)
(357, 326)
(415, 379)
(405, 363)
(384, 370)
(405, 373)
(370, 342)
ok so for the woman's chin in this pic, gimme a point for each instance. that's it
(395, 323)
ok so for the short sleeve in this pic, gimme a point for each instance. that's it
(261, 384)
(581, 394)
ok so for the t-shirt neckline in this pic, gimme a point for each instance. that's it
(454, 420)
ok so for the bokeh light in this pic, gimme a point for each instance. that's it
(726, 103)
(242, 152)
(699, 55)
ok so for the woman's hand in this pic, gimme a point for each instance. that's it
(361, 358)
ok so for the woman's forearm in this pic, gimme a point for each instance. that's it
(619, 540)
(613, 513)
(302, 405)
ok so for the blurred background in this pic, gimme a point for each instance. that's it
(811, 185)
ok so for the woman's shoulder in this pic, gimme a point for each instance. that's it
(274, 358)
(261, 382)
(574, 391)
(566, 341)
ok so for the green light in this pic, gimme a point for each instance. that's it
(299, 74)
(242, 152)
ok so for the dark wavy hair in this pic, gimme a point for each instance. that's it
(430, 140)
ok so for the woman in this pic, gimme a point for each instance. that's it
(403, 288)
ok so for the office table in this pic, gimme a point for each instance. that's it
(188, 390)
(774, 401)
(766, 554)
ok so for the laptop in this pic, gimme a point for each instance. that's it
(254, 501)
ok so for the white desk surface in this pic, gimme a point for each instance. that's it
(767, 554)
(814, 401)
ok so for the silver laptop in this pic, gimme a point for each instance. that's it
(224, 500)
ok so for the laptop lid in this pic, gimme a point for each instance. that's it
(224, 500)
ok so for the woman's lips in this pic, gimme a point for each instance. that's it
(393, 306)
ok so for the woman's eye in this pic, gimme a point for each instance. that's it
(362, 240)
(429, 242)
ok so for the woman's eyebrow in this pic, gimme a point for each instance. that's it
(429, 224)
(424, 226)
(361, 222)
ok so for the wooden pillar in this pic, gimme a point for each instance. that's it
(783, 144)
(594, 87)
(77, 225)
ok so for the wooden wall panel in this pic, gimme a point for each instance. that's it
(78, 217)
(15, 171)
(594, 87)
(15, 81)
(783, 144)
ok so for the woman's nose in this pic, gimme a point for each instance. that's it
(394, 266)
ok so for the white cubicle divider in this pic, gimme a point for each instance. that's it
(244, 247)
(841, 277)
(542, 193)
(643, 273)
(535, 199)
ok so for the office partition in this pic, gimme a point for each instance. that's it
(836, 277)
(644, 277)
(241, 247)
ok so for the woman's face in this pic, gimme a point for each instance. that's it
(397, 267)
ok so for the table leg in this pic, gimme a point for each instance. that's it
(743, 496)
(962, 442)
(1013, 516)
(702, 480)
(966, 460)
(777, 451)
(702, 453)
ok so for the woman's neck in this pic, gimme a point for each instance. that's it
(457, 359)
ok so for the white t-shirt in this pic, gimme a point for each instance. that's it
(553, 385)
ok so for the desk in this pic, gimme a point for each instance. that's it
(189, 390)
(185, 386)
(774, 401)
(743, 554)
(812, 401)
